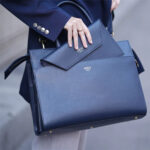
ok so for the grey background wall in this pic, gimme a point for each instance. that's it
(13, 37)
(16, 130)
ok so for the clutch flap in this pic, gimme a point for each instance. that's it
(65, 57)
(125, 47)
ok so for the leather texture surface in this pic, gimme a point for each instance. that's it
(74, 91)
(65, 57)
(101, 88)
(98, 90)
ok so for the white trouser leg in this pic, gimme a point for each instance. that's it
(60, 141)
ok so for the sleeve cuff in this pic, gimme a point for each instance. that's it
(53, 24)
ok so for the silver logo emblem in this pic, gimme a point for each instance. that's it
(87, 68)
(80, 50)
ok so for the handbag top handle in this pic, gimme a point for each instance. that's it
(78, 6)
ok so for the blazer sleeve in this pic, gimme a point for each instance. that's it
(41, 15)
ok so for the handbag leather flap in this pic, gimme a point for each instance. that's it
(65, 57)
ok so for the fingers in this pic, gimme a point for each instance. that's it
(118, 2)
(115, 4)
(87, 33)
(70, 36)
(84, 32)
(83, 39)
(79, 25)
(81, 33)
(74, 27)
(75, 36)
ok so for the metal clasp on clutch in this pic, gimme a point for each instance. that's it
(42, 41)
(80, 50)
(87, 68)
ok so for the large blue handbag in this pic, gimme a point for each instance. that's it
(75, 90)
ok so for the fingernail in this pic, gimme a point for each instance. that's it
(86, 46)
(91, 42)
(76, 48)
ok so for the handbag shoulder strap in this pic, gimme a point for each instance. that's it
(84, 11)
(15, 64)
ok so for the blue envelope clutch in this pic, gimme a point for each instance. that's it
(74, 90)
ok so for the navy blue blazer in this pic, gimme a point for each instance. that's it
(46, 21)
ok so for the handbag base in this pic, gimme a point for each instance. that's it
(89, 125)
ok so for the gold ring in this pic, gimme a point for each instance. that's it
(80, 30)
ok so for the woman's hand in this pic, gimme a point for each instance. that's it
(114, 4)
(76, 26)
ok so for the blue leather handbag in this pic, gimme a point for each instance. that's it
(92, 87)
